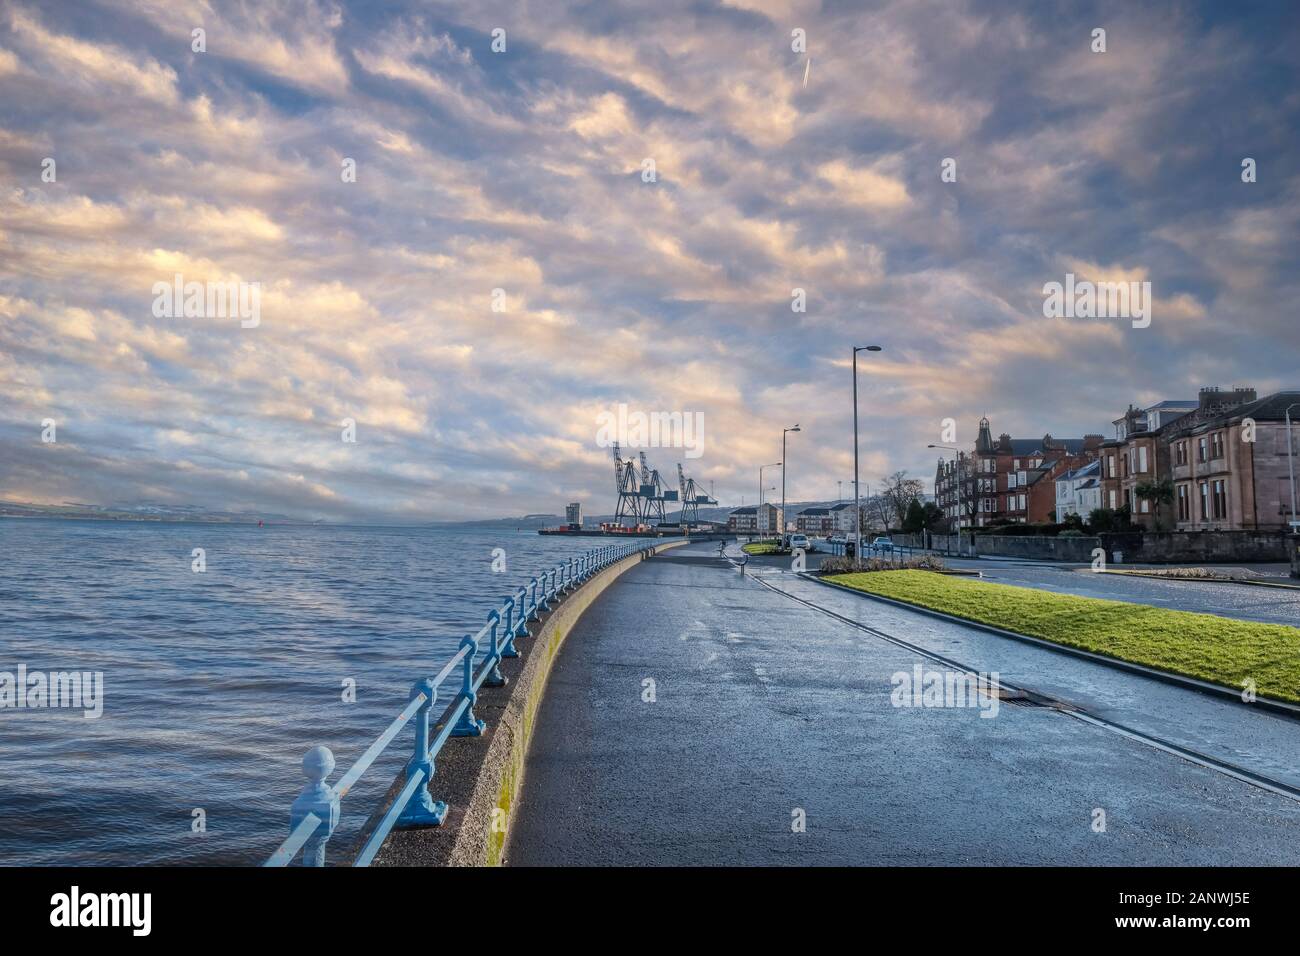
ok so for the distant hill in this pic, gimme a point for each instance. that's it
(140, 512)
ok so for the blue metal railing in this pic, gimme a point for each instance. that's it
(314, 815)
(897, 554)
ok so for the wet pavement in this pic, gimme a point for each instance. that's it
(766, 712)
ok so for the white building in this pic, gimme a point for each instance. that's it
(842, 518)
(1078, 492)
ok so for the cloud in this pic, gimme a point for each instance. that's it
(521, 171)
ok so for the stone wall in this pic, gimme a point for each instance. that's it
(1136, 547)
(1181, 547)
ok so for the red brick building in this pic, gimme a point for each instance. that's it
(1010, 479)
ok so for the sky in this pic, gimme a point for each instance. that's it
(777, 165)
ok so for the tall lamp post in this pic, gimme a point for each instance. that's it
(784, 459)
(957, 467)
(1290, 463)
(857, 503)
(759, 510)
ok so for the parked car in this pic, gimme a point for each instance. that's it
(800, 541)
(882, 544)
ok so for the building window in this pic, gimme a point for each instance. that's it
(1205, 500)
(1114, 499)
(1216, 445)
(1220, 500)
(1180, 453)
(1184, 508)
(1202, 448)
(1142, 458)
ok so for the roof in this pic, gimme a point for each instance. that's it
(815, 511)
(1026, 447)
(1171, 403)
(1270, 408)
(1091, 468)
(842, 505)
(747, 510)
(1090, 483)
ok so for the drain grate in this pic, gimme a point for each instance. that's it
(1019, 697)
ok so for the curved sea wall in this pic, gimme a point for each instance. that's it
(480, 778)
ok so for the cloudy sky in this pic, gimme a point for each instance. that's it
(522, 171)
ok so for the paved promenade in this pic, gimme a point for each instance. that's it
(766, 712)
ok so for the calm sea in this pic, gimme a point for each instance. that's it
(216, 683)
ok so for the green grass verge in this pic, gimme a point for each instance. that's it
(761, 547)
(1212, 648)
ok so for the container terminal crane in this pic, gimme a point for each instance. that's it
(642, 497)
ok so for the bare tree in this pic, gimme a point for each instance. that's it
(899, 492)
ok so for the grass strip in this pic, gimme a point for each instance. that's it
(1206, 646)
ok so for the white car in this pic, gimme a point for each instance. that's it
(882, 544)
(798, 541)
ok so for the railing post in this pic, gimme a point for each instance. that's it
(539, 604)
(508, 648)
(318, 798)
(469, 725)
(521, 625)
(493, 661)
(422, 810)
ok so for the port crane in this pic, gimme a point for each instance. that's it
(652, 493)
(643, 492)
(629, 493)
(692, 498)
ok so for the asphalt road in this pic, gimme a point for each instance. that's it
(766, 712)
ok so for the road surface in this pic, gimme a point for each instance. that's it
(766, 713)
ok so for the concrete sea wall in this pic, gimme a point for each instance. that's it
(480, 777)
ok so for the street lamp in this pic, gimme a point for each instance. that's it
(759, 510)
(784, 458)
(1290, 463)
(957, 465)
(857, 504)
